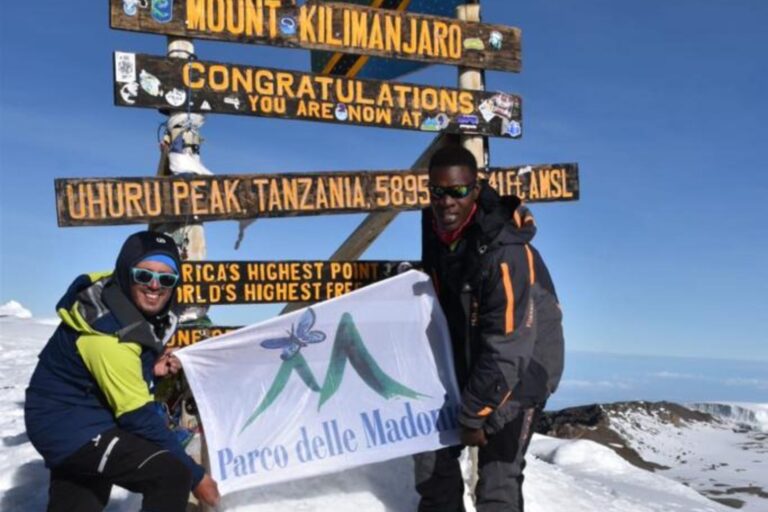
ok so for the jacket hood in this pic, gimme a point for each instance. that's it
(80, 315)
(137, 247)
(505, 220)
(95, 304)
(501, 220)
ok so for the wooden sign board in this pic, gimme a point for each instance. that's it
(338, 27)
(186, 336)
(211, 87)
(381, 68)
(113, 201)
(263, 282)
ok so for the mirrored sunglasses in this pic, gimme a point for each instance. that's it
(456, 191)
(144, 276)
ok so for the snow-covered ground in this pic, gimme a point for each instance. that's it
(725, 460)
(572, 476)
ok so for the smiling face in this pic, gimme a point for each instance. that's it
(451, 212)
(151, 298)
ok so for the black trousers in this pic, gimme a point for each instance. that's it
(83, 482)
(500, 469)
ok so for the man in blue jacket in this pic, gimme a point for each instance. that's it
(89, 408)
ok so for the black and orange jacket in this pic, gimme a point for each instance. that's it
(501, 305)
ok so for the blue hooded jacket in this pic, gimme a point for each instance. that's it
(96, 371)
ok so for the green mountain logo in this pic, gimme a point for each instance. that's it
(347, 346)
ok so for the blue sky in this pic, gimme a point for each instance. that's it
(662, 103)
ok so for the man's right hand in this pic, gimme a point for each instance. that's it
(207, 491)
(473, 437)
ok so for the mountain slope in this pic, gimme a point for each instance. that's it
(720, 450)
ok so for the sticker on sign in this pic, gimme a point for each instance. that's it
(125, 67)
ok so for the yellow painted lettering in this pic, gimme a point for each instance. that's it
(261, 184)
(235, 20)
(306, 87)
(216, 15)
(425, 39)
(196, 15)
(385, 96)
(359, 29)
(360, 94)
(306, 25)
(230, 194)
(75, 202)
(345, 91)
(441, 34)
(346, 27)
(429, 98)
(273, 6)
(275, 198)
(264, 82)
(306, 187)
(449, 100)
(186, 75)
(218, 78)
(180, 194)
(154, 208)
(393, 31)
(284, 84)
(321, 199)
(466, 102)
(242, 80)
(254, 18)
(454, 41)
(198, 197)
(533, 187)
(376, 38)
(330, 38)
(409, 47)
(290, 193)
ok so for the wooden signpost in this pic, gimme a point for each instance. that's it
(265, 282)
(112, 201)
(353, 34)
(212, 87)
(331, 26)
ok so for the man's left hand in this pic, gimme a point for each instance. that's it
(167, 364)
(473, 437)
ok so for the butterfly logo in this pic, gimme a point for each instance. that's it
(298, 337)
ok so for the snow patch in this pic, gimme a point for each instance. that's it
(749, 415)
(14, 309)
(720, 459)
(581, 453)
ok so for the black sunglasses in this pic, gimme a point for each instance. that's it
(456, 191)
(144, 276)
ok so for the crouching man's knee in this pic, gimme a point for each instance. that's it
(171, 484)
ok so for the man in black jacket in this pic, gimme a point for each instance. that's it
(506, 331)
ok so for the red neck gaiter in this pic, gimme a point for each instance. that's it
(448, 237)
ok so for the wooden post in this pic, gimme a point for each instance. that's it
(189, 236)
(473, 79)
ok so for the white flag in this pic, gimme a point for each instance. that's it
(354, 380)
